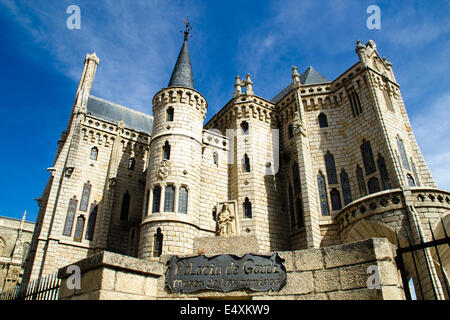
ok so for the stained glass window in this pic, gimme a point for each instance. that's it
(385, 180)
(346, 190)
(85, 196)
(323, 194)
(361, 181)
(374, 185)
(366, 152)
(91, 222)
(331, 168)
(401, 149)
(169, 196)
(335, 199)
(70, 217)
(79, 228)
(156, 198)
(182, 200)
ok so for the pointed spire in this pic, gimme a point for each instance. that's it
(182, 73)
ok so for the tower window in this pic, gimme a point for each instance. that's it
(131, 163)
(346, 190)
(387, 100)
(331, 168)
(156, 199)
(290, 131)
(182, 200)
(361, 182)
(244, 127)
(385, 180)
(216, 158)
(91, 222)
(366, 152)
(355, 103)
(94, 153)
(170, 112)
(70, 217)
(401, 149)
(169, 195)
(85, 196)
(166, 151)
(158, 243)
(79, 228)
(147, 199)
(299, 207)
(126, 200)
(374, 185)
(416, 175)
(335, 199)
(246, 163)
(247, 208)
(411, 181)
(323, 121)
(323, 198)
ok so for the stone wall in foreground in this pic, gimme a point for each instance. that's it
(335, 273)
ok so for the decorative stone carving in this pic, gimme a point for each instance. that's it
(68, 171)
(164, 169)
(226, 219)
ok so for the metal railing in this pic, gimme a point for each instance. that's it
(45, 288)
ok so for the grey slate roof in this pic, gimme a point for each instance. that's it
(310, 76)
(113, 112)
(182, 73)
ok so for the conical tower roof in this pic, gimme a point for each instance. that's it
(182, 73)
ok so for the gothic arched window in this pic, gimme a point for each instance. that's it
(169, 198)
(79, 228)
(166, 151)
(387, 100)
(296, 178)
(126, 200)
(361, 182)
(323, 121)
(170, 112)
(401, 149)
(70, 216)
(244, 127)
(374, 185)
(94, 153)
(247, 208)
(246, 163)
(158, 243)
(323, 197)
(335, 199)
(91, 222)
(156, 199)
(182, 200)
(411, 181)
(346, 190)
(366, 152)
(385, 180)
(85, 196)
(416, 175)
(331, 168)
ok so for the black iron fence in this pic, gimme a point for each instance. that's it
(413, 250)
(45, 288)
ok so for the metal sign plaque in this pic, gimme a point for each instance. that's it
(225, 273)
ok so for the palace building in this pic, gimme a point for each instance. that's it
(322, 166)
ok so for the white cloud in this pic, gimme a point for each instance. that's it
(432, 131)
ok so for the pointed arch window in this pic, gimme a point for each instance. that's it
(91, 221)
(169, 197)
(296, 178)
(411, 181)
(416, 175)
(346, 190)
(361, 182)
(323, 121)
(158, 243)
(85, 196)
(387, 98)
(323, 198)
(94, 153)
(366, 152)
(244, 127)
(182, 200)
(70, 216)
(374, 185)
(79, 228)
(385, 180)
(401, 149)
(156, 199)
(166, 150)
(247, 208)
(170, 112)
(355, 103)
(246, 163)
(331, 168)
(131, 163)
(126, 200)
(335, 199)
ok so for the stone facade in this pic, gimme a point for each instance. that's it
(15, 240)
(297, 171)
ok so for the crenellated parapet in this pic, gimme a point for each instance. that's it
(180, 95)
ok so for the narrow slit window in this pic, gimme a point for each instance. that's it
(331, 168)
(361, 181)
(323, 198)
(166, 151)
(367, 155)
(323, 121)
(94, 153)
(170, 112)
(385, 180)
(335, 199)
(346, 189)
(169, 197)
(156, 199)
(91, 222)
(247, 208)
(244, 127)
(158, 243)
(79, 228)
(70, 217)
(246, 163)
(126, 200)
(85, 196)
(182, 200)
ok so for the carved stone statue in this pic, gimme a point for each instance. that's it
(225, 221)
(164, 169)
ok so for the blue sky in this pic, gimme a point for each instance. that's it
(138, 43)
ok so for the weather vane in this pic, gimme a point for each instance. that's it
(188, 28)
